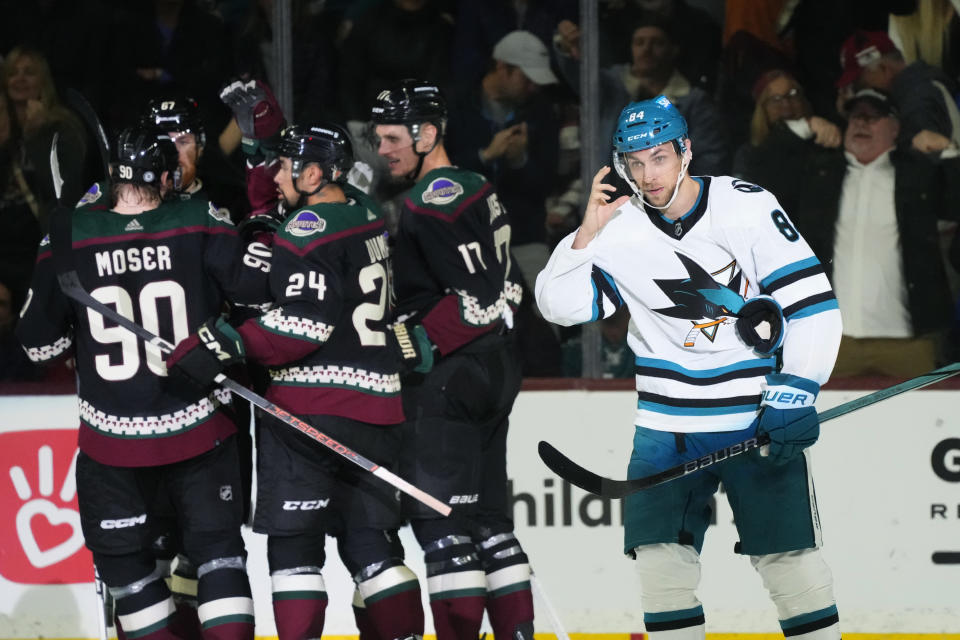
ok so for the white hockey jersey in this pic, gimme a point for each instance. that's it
(680, 280)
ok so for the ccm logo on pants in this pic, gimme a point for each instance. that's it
(304, 505)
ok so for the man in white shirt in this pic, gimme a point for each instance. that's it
(870, 212)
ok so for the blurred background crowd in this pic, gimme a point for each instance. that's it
(847, 111)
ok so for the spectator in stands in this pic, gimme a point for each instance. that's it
(929, 118)
(652, 71)
(505, 127)
(780, 101)
(36, 115)
(19, 209)
(700, 48)
(480, 25)
(930, 34)
(870, 212)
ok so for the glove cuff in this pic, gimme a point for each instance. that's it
(785, 391)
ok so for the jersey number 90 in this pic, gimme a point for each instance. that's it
(148, 307)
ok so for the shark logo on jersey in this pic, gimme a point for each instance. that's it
(442, 191)
(93, 194)
(702, 300)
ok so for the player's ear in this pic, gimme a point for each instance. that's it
(688, 151)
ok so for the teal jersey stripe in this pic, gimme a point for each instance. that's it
(787, 270)
(655, 407)
(704, 373)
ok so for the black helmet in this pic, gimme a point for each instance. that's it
(325, 143)
(175, 114)
(410, 102)
(143, 155)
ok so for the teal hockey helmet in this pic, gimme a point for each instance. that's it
(648, 123)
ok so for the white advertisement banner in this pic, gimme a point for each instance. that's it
(887, 480)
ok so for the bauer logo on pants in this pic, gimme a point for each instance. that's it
(39, 524)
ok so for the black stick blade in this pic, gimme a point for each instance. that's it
(568, 469)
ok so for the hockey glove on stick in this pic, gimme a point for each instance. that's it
(788, 417)
(760, 325)
(203, 356)
(257, 112)
(413, 348)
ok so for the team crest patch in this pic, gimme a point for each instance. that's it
(91, 196)
(306, 223)
(45, 242)
(442, 191)
(221, 214)
(745, 187)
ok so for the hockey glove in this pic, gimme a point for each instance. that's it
(413, 348)
(203, 356)
(257, 112)
(760, 325)
(788, 417)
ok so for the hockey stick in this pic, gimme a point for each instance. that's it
(558, 629)
(78, 103)
(609, 488)
(70, 284)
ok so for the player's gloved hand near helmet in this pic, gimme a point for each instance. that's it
(760, 325)
(412, 347)
(204, 355)
(787, 415)
(257, 112)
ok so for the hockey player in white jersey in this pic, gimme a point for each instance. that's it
(734, 327)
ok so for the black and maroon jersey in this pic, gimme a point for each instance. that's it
(167, 269)
(325, 339)
(452, 258)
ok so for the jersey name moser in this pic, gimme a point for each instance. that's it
(133, 259)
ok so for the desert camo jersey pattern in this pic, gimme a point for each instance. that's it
(325, 339)
(167, 269)
(693, 372)
(452, 259)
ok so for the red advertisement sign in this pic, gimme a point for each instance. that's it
(40, 537)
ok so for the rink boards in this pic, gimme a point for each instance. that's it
(888, 487)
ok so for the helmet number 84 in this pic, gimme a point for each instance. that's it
(636, 115)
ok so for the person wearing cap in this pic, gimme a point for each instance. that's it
(507, 130)
(870, 210)
(929, 118)
(781, 109)
(717, 363)
(654, 50)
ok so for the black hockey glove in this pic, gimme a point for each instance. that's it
(204, 355)
(412, 346)
(760, 325)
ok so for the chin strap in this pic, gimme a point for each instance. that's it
(415, 135)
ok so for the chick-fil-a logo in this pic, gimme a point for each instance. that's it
(40, 537)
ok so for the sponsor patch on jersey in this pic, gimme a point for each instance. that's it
(442, 191)
(133, 225)
(306, 223)
(219, 213)
(91, 196)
